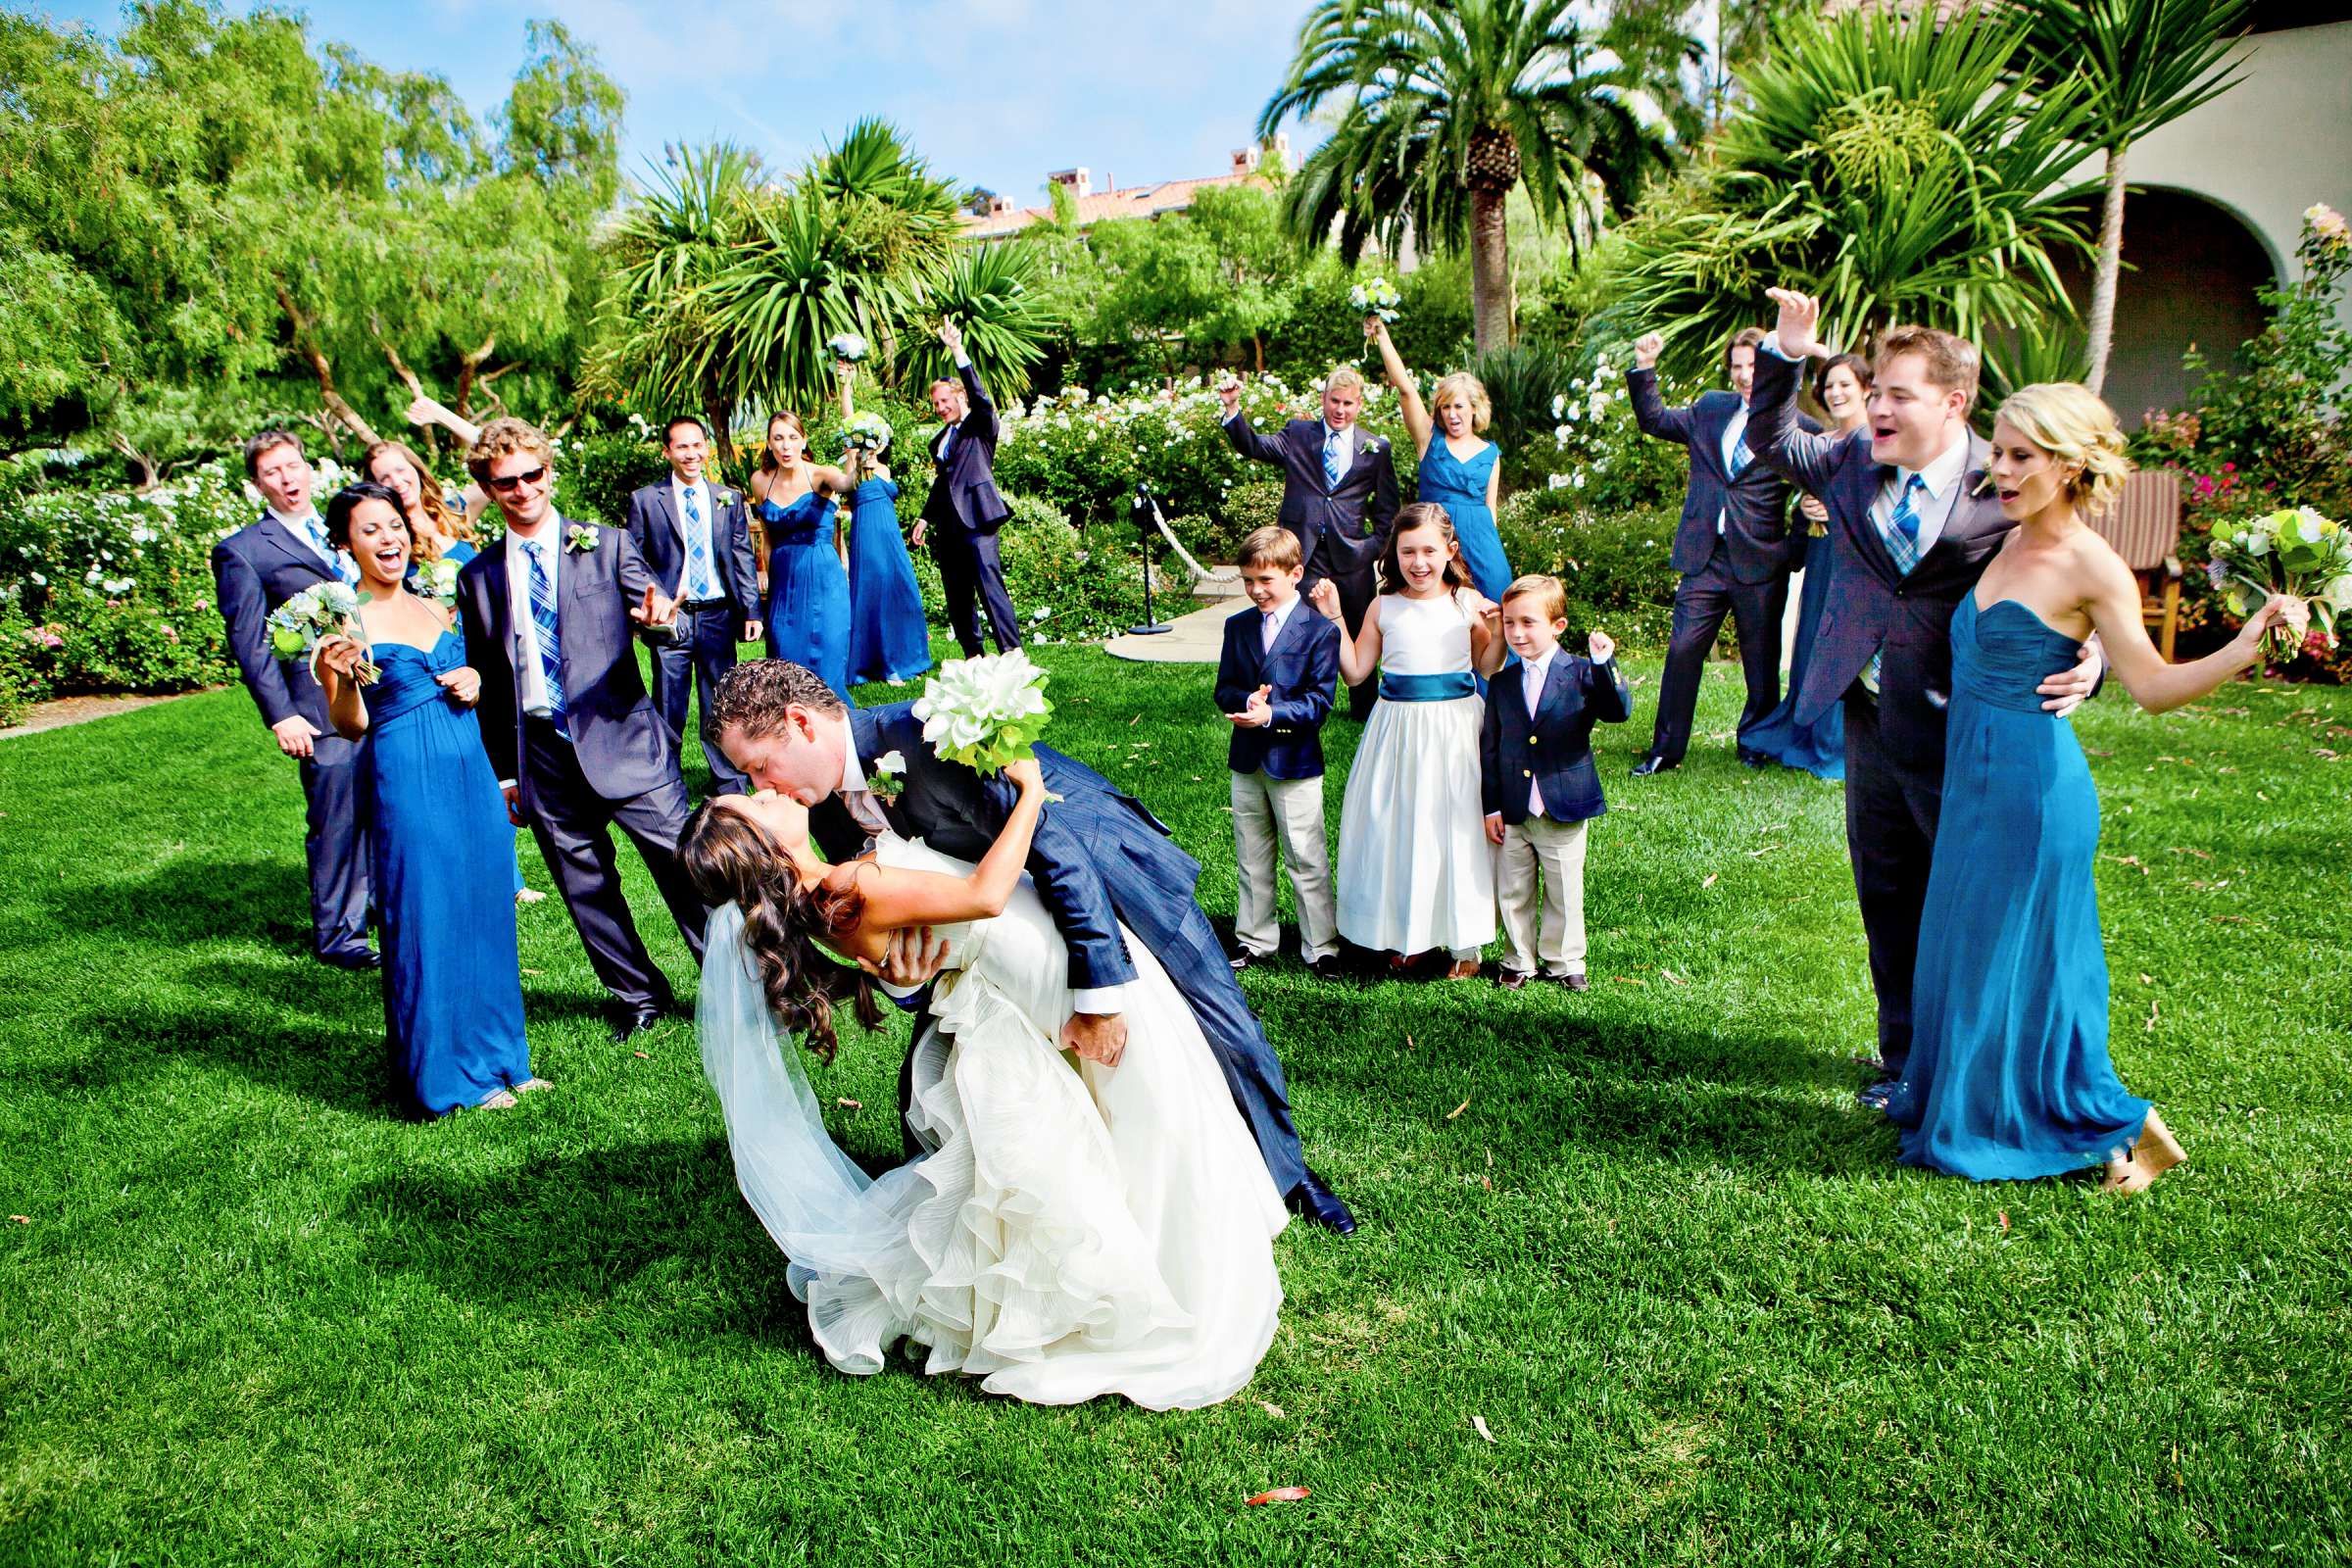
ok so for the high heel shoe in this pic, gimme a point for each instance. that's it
(2156, 1153)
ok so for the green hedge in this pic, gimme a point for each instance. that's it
(1614, 564)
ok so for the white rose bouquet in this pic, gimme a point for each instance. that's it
(846, 346)
(984, 713)
(324, 609)
(2294, 551)
(1376, 296)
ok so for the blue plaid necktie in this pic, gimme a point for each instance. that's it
(697, 546)
(1901, 534)
(344, 569)
(1740, 456)
(551, 652)
(1331, 460)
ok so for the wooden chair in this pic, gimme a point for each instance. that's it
(2144, 526)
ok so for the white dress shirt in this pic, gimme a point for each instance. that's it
(687, 589)
(530, 678)
(298, 529)
(1943, 477)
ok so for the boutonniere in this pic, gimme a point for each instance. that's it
(1372, 446)
(727, 498)
(889, 775)
(578, 539)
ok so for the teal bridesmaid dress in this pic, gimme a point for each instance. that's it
(2009, 1076)
(1460, 487)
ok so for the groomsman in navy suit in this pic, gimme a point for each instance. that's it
(696, 538)
(1338, 495)
(256, 569)
(1912, 528)
(551, 615)
(963, 511)
(1732, 547)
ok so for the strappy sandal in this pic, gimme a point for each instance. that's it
(497, 1099)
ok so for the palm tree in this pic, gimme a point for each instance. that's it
(654, 331)
(1446, 105)
(1899, 169)
(2143, 63)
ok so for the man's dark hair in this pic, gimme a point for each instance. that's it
(672, 428)
(261, 445)
(1747, 337)
(751, 696)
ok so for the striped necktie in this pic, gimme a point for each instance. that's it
(1901, 533)
(697, 546)
(1740, 456)
(1331, 460)
(344, 569)
(551, 652)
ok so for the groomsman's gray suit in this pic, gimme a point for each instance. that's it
(610, 761)
(256, 569)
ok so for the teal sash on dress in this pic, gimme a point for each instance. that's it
(1427, 688)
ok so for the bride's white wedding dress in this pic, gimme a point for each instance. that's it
(1071, 1232)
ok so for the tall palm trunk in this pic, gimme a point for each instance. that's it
(2111, 268)
(1489, 270)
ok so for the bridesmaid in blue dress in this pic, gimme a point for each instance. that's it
(453, 997)
(2009, 1076)
(1457, 470)
(1818, 748)
(889, 638)
(438, 524)
(808, 583)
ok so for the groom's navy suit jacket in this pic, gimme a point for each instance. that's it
(1098, 859)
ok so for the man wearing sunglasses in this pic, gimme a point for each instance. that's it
(577, 745)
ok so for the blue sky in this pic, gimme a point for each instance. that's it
(994, 92)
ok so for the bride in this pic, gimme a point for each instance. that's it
(1071, 1230)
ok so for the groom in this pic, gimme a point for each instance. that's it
(576, 745)
(1099, 859)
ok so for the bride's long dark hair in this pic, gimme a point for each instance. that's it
(731, 859)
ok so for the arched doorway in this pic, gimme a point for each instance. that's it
(2190, 270)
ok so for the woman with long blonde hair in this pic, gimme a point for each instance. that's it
(1459, 469)
(2009, 1075)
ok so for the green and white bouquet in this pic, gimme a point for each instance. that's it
(1376, 296)
(865, 431)
(984, 713)
(2296, 552)
(438, 579)
(322, 611)
(846, 346)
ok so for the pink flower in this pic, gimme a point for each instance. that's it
(2316, 644)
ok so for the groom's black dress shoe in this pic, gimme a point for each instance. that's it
(357, 959)
(1652, 764)
(634, 1021)
(1311, 1200)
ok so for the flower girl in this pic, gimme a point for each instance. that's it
(1415, 871)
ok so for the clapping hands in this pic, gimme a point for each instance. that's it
(1257, 712)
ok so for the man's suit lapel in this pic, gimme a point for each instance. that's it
(278, 537)
(1867, 479)
(666, 497)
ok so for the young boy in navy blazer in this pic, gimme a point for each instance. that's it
(1537, 761)
(1275, 681)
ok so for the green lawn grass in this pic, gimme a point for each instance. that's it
(257, 1316)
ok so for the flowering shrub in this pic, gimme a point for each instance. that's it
(1614, 563)
(114, 591)
(1601, 455)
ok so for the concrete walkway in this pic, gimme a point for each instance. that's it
(65, 710)
(1198, 636)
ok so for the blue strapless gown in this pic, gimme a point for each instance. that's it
(453, 992)
(1819, 748)
(888, 639)
(807, 591)
(2009, 1076)
(1461, 489)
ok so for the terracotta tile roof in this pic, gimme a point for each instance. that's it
(1136, 201)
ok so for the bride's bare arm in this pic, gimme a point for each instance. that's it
(895, 899)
